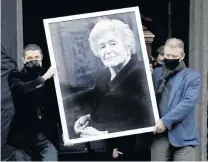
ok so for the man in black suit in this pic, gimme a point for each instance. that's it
(35, 115)
(120, 99)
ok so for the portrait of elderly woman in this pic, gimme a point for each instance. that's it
(120, 98)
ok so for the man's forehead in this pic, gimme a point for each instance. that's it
(168, 48)
(32, 53)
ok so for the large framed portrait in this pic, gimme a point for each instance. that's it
(103, 80)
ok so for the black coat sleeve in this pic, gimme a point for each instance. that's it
(21, 87)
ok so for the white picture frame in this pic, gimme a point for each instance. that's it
(56, 30)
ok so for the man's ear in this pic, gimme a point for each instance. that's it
(183, 56)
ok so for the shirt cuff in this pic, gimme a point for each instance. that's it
(166, 123)
(42, 80)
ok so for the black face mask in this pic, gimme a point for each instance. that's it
(171, 63)
(33, 67)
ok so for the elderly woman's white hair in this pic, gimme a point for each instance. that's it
(105, 25)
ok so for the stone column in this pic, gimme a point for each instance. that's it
(11, 52)
(198, 60)
(19, 34)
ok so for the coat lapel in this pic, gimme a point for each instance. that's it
(156, 80)
(177, 81)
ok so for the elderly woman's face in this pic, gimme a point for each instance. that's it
(111, 49)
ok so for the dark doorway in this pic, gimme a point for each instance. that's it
(180, 23)
(34, 11)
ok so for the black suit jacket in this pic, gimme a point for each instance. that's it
(32, 97)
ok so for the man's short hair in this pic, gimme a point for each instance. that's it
(160, 50)
(32, 47)
(105, 25)
(175, 43)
